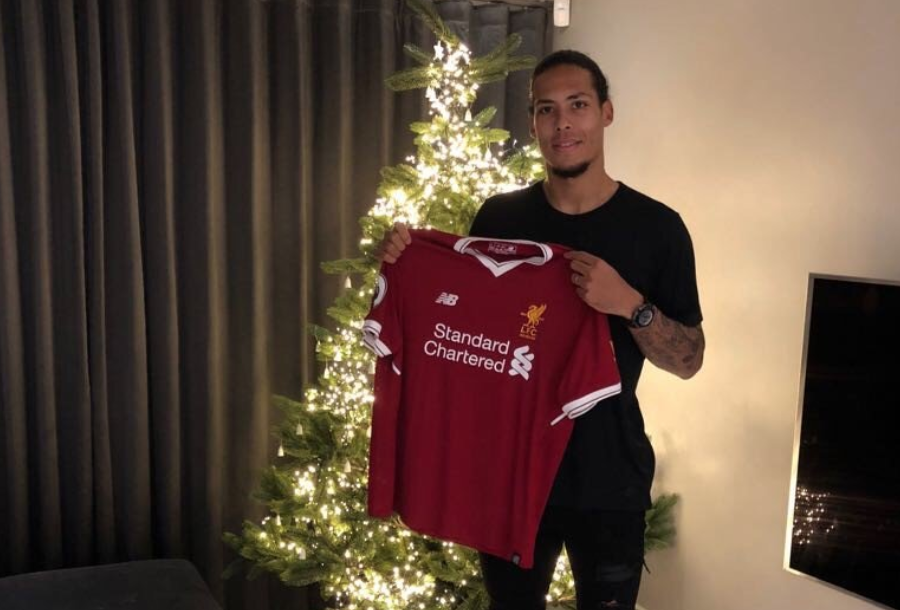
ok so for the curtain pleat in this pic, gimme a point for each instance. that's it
(157, 190)
(33, 165)
(172, 175)
(248, 178)
(334, 157)
(201, 219)
(98, 452)
(250, 255)
(305, 225)
(73, 389)
(126, 349)
(14, 480)
(374, 51)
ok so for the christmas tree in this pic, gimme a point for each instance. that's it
(318, 530)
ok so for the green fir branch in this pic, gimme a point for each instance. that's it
(477, 599)
(349, 307)
(420, 127)
(418, 54)
(430, 17)
(411, 78)
(495, 136)
(521, 62)
(319, 333)
(500, 54)
(484, 117)
(397, 176)
(660, 531)
(304, 574)
(347, 266)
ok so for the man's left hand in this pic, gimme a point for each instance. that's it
(601, 286)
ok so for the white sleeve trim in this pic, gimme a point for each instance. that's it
(371, 331)
(580, 406)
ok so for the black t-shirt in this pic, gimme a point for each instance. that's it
(609, 462)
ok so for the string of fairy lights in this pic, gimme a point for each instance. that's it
(455, 157)
(811, 521)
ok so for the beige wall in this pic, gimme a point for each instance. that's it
(774, 128)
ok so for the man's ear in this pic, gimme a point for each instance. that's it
(606, 109)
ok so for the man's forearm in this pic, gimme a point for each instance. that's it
(672, 346)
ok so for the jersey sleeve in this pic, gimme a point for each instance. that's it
(381, 329)
(592, 373)
(676, 290)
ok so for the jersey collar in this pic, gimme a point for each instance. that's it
(498, 268)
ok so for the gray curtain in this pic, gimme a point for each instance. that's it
(172, 173)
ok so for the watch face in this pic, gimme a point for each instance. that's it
(645, 316)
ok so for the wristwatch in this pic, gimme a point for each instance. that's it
(643, 315)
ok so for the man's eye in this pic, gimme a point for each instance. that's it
(544, 110)
(579, 104)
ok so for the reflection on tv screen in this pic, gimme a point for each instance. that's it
(846, 521)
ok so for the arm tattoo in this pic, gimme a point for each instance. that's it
(672, 346)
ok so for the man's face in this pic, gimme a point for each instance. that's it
(568, 120)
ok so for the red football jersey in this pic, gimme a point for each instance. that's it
(486, 354)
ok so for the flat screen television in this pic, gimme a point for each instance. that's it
(844, 518)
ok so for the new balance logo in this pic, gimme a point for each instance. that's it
(447, 299)
(521, 362)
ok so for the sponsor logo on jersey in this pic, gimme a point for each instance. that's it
(521, 362)
(534, 316)
(446, 298)
(503, 249)
(479, 351)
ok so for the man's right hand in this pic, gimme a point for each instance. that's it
(393, 244)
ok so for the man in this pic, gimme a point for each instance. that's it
(631, 259)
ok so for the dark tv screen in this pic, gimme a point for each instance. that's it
(845, 526)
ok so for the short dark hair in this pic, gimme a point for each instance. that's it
(567, 57)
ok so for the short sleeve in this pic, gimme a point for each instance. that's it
(592, 373)
(478, 228)
(675, 291)
(486, 221)
(381, 329)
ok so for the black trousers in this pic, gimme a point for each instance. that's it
(606, 552)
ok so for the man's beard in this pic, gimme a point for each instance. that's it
(570, 172)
